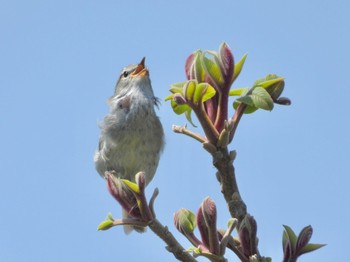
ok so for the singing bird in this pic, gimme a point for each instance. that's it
(132, 136)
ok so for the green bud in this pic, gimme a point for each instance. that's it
(185, 221)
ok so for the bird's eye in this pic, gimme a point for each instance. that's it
(125, 73)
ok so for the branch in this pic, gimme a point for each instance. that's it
(185, 131)
(227, 179)
(221, 114)
(236, 118)
(173, 245)
(209, 129)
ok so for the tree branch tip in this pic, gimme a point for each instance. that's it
(183, 130)
(152, 200)
(175, 128)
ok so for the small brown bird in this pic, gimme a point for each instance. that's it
(132, 136)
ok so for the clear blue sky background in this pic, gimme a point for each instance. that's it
(59, 61)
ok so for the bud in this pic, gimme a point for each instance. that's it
(123, 194)
(294, 246)
(226, 63)
(106, 224)
(141, 181)
(193, 67)
(247, 235)
(213, 74)
(206, 221)
(185, 221)
(303, 238)
(284, 101)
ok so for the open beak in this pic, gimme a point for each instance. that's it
(140, 70)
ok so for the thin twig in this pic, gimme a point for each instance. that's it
(173, 245)
(185, 131)
(209, 129)
(236, 118)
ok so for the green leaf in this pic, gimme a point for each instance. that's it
(203, 92)
(169, 97)
(259, 98)
(109, 216)
(105, 225)
(268, 83)
(199, 71)
(266, 78)
(189, 89)
(195, 251)
(213, 70)
(248, 110)
(311, 247)
(177, 87)
(238, 67)
(179, 109)
(273, 84)
(199, 92)
(189, 117)
(133, 186)
(188, 220)
(289, 235)
(238, 91)
(209, 93)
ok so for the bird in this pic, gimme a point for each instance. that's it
(132, 136)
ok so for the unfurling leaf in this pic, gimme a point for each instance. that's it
(185, 221)
(283, 101)
(133, 186)
(226, 62)
(203, 92)
(188, 95)
(189, 117)
(273, 84)
(238, 91)
(311, 247)
(105, 225)
(188, 90)
(257, 98)
(175, 88)
(179, 108)
(238, 67)
(212, 69)
(303, 238)
(193, 68)
(289, 236)
(294, 247)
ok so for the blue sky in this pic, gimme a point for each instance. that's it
(59, 63)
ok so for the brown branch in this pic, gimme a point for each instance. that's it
(209, 129)
(173, 245)
(229, 187)
(185, 131)
(221, 114)
(236, 118)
